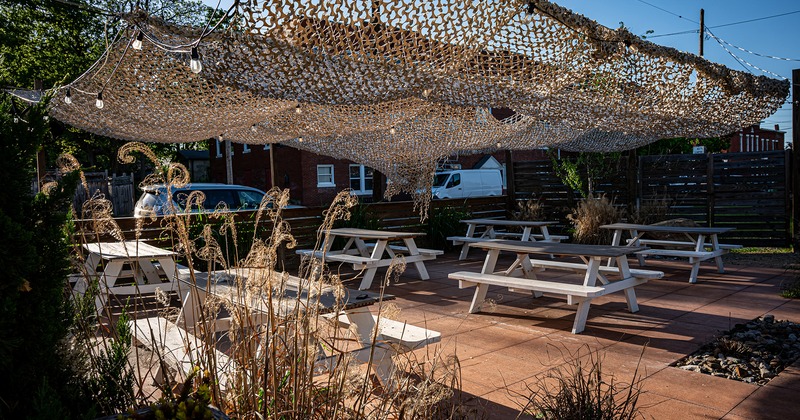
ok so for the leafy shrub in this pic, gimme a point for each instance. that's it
(444, 222)
(593, 212)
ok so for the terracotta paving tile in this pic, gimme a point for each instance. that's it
(769, 403)
(654, 406)
(697, 388)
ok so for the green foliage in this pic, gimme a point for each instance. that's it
(55, 42)
(792, 289)
(444, 222)
(360, 217)
(583, 172)
(34, 317)
(111, 382)
(683, 146)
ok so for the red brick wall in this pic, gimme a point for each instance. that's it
(756, 139)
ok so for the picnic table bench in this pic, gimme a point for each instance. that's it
(370, 250)
(696, 247)
(595, 276)
(490, 232)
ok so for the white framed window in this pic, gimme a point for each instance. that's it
(219, 148)
(361, 179)
(266, 147)
(325, 176)
(245, 148)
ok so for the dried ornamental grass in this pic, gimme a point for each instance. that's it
(275, 369)
(591, 213)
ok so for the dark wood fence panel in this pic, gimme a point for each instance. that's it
(750, 194)
(747, 191)
(304, 223)
(681, 179)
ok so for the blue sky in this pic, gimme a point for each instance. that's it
(776, 36)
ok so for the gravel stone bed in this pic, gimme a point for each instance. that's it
(754, 352)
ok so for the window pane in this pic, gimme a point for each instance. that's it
(368, 184)
(368, 173)
(355, 171)
(355, 184)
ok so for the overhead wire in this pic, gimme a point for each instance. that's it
(740, 60)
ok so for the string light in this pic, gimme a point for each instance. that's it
(195, 64)
(137, 43)
(300, 139)
(392, 131)
(99, 102)
(254, 128)
(298, 110)
(68, 97)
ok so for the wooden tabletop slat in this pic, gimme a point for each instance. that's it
(373, 234)
(548, 248)
(670, 229)
(506, 222)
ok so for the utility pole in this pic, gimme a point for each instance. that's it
(702, 29)
(795, 159)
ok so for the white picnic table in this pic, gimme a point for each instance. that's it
(347, 307)
(150, 268)
(521, 274)
(699, 243)
(490, 232)
(369, 250)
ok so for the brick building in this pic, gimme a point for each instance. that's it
(756, 139)
(313, 180)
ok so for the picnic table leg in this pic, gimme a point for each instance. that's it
(635, 242)
(419, 265)
(630, 294)
(694, 261)
(718, 258)
(526, 234)
(106, 282)
(529, 272)
(480, 289)
(581, 316)
(369, 274)
(615, 242)
(465, 247)
(382, 363)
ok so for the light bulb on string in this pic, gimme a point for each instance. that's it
(254, 128)
(392, 131)
(137, 43)
(99, 102)
(300, 139)
(298, 110)
(68, 97)
(195, 64)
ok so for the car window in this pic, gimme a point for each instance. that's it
(454, 181)
(148, 200)
(249, 200)
(214, 197)
(440, 179)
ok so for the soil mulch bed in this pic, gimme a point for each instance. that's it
(754, 352)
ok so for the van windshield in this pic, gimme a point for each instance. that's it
(440, 179)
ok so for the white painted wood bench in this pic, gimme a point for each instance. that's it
(401, 335)
(178, 348)
(682, 244)
(581, 268)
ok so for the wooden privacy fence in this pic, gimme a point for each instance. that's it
(747, 191)
(118, 189)
(305, 222)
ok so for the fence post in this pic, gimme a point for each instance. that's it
(795, 159)
(710, 189)
(511, 190)
(787, 192)
(631, 182)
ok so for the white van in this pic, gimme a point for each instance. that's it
(467, 183)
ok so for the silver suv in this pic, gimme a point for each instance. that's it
(237, 197)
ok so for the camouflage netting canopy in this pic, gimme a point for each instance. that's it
(398, 85)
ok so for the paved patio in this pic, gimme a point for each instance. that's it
(505, 347)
